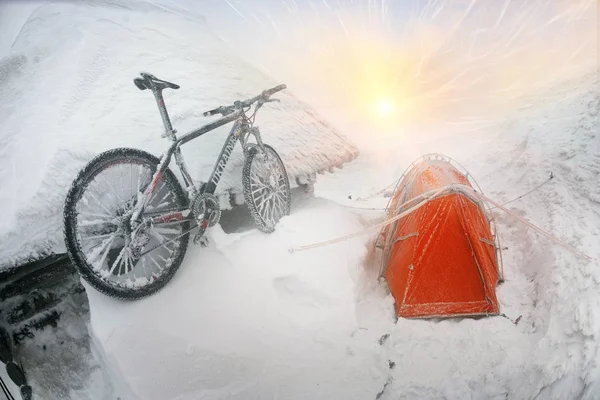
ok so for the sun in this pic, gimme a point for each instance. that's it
(384, 107)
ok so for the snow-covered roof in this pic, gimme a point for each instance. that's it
(67, 93)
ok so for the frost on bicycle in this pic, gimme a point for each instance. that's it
(52, 127)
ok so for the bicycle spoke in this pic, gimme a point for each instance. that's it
(96, 237)
(117, 262)
(261, 205)
(156, 264)
(96, 222)
(106, 245)
(96, 215)
(277, 204)
(165, 230)
(114, 194)
(100, 203)
(260, 189)
(144, 263)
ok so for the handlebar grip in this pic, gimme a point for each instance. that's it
(276, 89)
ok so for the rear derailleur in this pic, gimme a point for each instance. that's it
(207, 212)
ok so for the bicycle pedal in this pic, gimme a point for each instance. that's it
(200, 239)
(204, 241)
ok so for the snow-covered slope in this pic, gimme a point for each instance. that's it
(67, 94)
(312, 324)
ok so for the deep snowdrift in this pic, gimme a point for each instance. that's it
(68, 94)
(247, 319)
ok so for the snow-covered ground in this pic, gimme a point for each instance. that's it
(67, 94)
(245, 318)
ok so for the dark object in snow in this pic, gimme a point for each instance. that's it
(15, 373)
(391, 364)
(38, 273)
(383, 338)
(350, 197)
(516, 321)
(5, 346)
(384, 387)
(28, 303)
(26, 392)
(48, 319)
(31, 307)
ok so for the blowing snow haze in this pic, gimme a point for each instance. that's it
(508, 89)
(448, 63)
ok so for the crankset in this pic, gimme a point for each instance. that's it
(207, 212)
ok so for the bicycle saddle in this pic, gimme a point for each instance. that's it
(149, 81)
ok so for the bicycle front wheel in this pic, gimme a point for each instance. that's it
(266, 187)
(98, 225)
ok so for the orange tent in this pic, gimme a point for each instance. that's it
(440, 259)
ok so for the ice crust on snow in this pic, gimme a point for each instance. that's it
(234, 324)
(68, 94)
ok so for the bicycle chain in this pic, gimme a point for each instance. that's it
(169, 241)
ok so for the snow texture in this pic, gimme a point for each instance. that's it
(247, 319)
(68, 94)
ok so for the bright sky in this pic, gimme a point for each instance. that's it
(378, 65)
(382, 66)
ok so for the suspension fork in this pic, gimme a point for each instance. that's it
(256, 132)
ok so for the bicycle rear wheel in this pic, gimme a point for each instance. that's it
(98, 229)
(266, 187)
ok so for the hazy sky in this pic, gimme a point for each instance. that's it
(436, 59)
(424, 61)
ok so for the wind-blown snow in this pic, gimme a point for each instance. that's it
(236, 324)
(245, 318)
(263, 323)
(68, 94)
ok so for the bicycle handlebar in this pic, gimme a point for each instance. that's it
(238, 105)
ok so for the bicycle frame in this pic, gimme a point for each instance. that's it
(237, 131)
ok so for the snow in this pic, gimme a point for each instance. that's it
(245, 318)
(67, 85)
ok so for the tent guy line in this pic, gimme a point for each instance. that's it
(428, 196)
(387, 187)
(425, 196)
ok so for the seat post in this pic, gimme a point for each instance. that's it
(160, 101)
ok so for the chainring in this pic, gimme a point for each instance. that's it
(206, 205)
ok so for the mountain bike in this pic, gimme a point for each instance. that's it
(127, 218)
